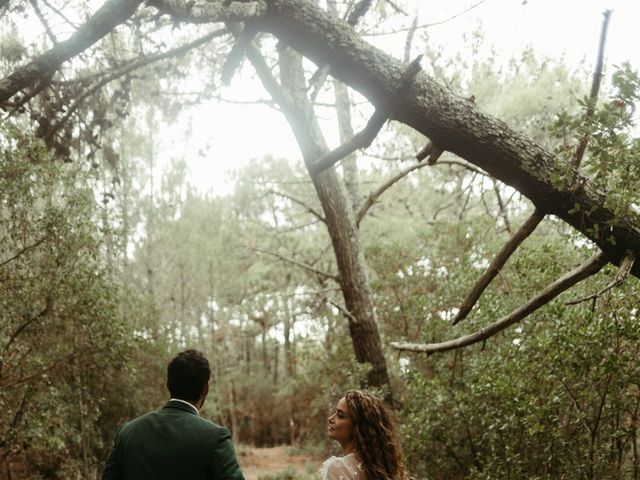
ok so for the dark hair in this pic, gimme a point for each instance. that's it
(376, 440)
(187, 374)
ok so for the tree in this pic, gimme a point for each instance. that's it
(453, 124)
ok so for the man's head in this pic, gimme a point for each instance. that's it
(188, 376)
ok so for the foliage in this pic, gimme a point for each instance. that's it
(61, 338)
(613, 148)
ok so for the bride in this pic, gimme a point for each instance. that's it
(364, 427)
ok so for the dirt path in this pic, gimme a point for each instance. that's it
(262, 462)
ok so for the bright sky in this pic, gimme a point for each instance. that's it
(568, 28)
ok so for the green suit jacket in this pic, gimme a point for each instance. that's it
(173, 443)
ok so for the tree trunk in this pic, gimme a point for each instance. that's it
(288, 364)
(341, 224)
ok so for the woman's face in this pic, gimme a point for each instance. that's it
(340, 426)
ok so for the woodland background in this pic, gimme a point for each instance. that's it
(111, 261)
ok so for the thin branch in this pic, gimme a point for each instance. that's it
(496, 265)
(595, 88)
(60, 14)
(344, 311)
(309, 292)
(359, 11)
(41, 69)
(590, 267)
(128, 69)
(461, 163)
(39, 374)
(364, 138)
(297, 201)
(317, 81)
(501, 206)
(24, 250)
(373, 196)
(425, 25)
(43, 313)
(43, 21)
(409, 40)
(209, 12)
(397, 8)
(297, 263)
(625, 267)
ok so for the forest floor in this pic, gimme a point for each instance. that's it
(276, 463)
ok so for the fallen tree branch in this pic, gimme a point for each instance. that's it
(373, 196)
(590, 267)
(621, 275)
(454, 123)
(496, 265)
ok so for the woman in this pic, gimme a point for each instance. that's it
(364, 427)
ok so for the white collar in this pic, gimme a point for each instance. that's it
(186, 403)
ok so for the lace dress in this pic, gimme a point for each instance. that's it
(342, 468)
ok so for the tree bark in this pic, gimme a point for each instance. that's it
(453, 123)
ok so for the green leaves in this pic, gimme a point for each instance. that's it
(612, 160)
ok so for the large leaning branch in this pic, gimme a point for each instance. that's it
(496, 265)
(39, 71)
(590, 267)
(453, 123)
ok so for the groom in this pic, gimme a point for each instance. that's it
(175, 442)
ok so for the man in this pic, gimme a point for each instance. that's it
(175, 443)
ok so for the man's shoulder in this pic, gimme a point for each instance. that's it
(211, 426)
(141, 420)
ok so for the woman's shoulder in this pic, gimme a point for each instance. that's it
(341, 468)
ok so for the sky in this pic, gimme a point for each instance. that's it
(560, 28)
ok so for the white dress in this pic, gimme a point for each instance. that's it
(342, 468)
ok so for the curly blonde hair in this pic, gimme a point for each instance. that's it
(376, 441)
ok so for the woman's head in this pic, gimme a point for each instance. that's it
(364, 420)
